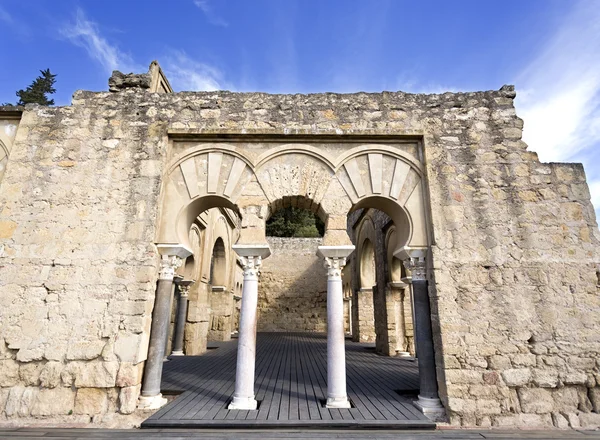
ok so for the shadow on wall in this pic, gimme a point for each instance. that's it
(292, 294)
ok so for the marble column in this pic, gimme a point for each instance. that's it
(174, 291)
(335, 260)
(182, 306)
(171, 258)
(251, 259)
(428, 402)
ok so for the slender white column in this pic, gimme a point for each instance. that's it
(335, 260)
(336, 349)
(251, 257)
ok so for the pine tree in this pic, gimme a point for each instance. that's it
(36, 93)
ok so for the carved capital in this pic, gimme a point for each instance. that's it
(168, 266)
(184, 287)
(334, 266)
(417, 266)
(251, 265)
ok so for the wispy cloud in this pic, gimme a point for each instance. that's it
(187, 74)
(559, 91)
(210, 14)
(86, 33)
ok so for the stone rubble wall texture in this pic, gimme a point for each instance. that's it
(515, 302)
(292, 294)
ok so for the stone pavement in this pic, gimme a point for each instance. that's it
(172, 434)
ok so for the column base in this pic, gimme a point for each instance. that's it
(245, 403)
(177, 353)
(338, 402)
(151, 402)
(431, 408)
(403, 354)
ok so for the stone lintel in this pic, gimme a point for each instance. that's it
(398, 284)
(252, 250)
(335, 251)
(175, 249)
(219, 289)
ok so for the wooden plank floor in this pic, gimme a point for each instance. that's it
(291, 387)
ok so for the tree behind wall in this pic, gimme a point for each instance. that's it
(295, 222)
(37, 92)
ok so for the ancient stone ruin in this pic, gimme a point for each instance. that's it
(446, 238)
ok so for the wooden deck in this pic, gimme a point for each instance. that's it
(291, 386)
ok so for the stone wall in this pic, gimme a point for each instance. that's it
(514, 247)
(292, 294)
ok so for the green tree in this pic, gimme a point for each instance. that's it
(38, 90)
(295, 222)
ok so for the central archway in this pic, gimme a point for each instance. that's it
(255, 181)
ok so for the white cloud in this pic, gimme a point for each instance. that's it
(85, 33)
(559, 91)
(210, 15)
(186, 74)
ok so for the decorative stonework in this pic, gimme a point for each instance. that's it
(168, 265)
(334, 267)
(417, 267)
(251, 266)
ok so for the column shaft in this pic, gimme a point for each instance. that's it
(429, 401)
(156, 349)
(336, 350)
(182, 307)
(243, 397)
(424, 337)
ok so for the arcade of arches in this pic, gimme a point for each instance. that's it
(217, 199)
(132, 226)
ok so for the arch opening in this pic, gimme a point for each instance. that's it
(218, 264)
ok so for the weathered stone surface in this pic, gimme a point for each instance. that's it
(516, 377)
(9, 373)
(48, 402)
(93, 374)
(119, 81)
(50, 374)
(85, 350)
(536, 400)
(129, 374)
(292, 278)
(128, 399)
(90, 401)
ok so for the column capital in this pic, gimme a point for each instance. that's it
(414, 260)
(251, 265)
(168, 266)
(184, 287)
(334, 266)
(172, 257)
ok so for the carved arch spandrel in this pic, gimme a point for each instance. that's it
(215, 174)
(391, 181)
(201, 179)
(295, 175)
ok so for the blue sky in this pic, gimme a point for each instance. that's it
(550, 49)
